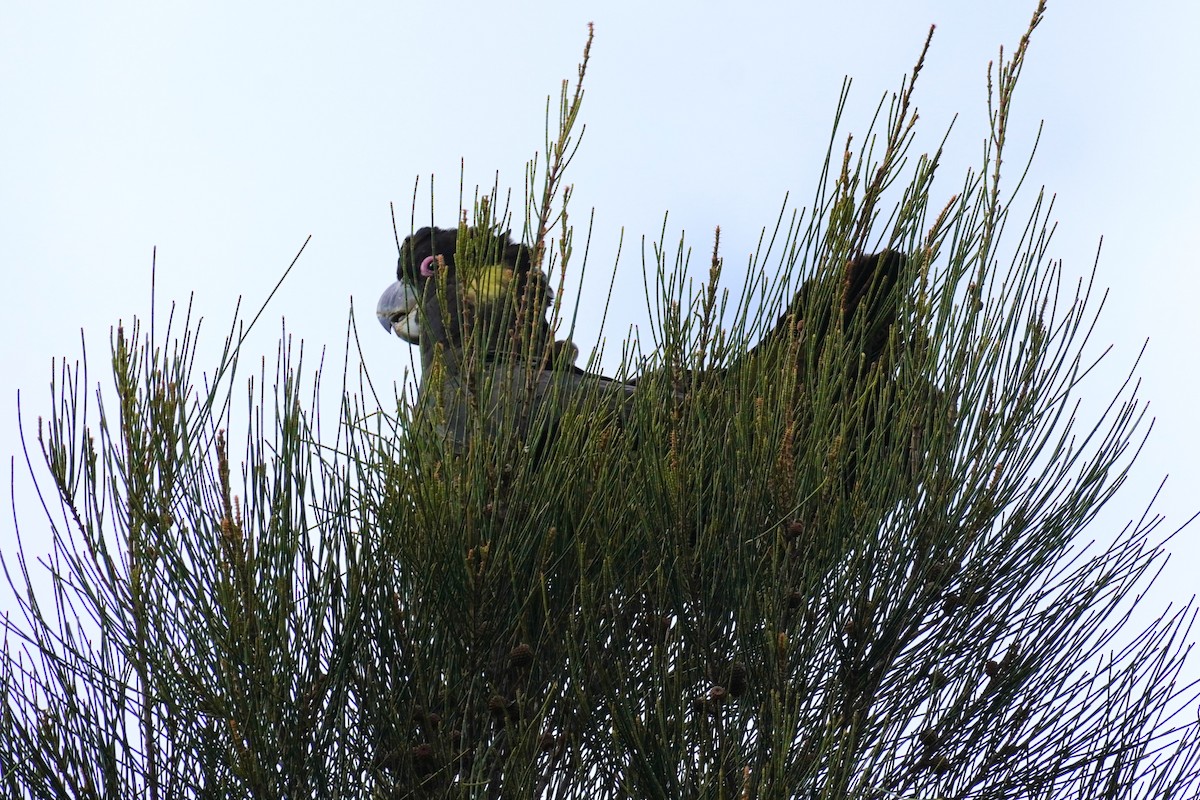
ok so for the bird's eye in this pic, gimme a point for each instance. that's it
(429, 266)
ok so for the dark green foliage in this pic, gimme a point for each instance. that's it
(843, 563)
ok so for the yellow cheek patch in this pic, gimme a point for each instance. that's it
(487, 284)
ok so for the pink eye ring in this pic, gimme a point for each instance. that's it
(429, 266)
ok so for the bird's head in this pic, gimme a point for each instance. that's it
(451, 288)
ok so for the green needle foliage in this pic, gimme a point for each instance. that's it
(790, 571)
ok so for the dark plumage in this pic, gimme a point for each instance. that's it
(500, 297)
(515, 376)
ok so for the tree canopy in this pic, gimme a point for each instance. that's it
(798, 573)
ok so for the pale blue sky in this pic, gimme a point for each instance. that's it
(225, 133)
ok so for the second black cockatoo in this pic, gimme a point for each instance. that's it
(514, 377)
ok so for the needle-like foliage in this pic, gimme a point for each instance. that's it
(847, 562)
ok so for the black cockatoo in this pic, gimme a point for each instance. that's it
(515, 376)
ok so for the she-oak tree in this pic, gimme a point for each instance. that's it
(802, 574)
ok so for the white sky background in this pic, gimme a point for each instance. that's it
(226, 133)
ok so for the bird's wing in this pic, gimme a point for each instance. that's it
(505, 399)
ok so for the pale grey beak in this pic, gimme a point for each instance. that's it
(397, 311)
